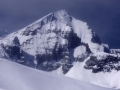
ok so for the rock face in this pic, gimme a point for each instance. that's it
(106, 65)
(57, 41)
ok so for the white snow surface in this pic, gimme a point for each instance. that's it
(17, 77)
(80, 50)
(108, 79)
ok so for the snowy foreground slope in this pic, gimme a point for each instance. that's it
(107, 79)
(18, 77)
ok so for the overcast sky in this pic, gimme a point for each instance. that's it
(103, 16)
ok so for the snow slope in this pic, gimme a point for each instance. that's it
(105, 79)
(17, 77)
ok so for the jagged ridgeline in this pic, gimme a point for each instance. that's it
(55, 42)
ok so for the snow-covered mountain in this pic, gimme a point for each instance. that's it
(61, 44)
(54, 38)
(18, 77)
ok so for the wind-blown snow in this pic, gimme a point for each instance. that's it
(18, 77)
(82, 30)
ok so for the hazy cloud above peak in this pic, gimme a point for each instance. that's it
(103, 16)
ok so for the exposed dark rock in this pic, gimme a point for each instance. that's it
(107, 50)
(105, 65)
(21, 57)
(66, 68)
(15, 41)
(48, 66)
(73, 40)
(87, 47)
(58, 53)
(29, 31)
(95, 38)
(12, 50)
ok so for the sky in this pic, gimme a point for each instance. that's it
(103, 16)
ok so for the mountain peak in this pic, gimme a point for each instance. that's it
(60, 15)
(61, 11)
(56, 37)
